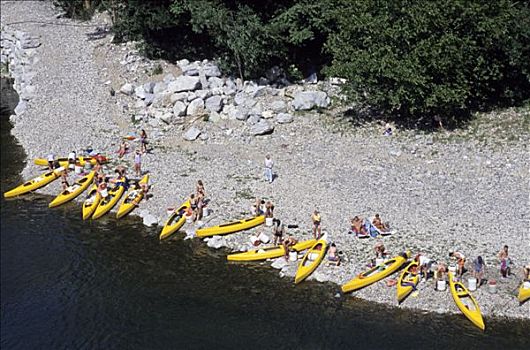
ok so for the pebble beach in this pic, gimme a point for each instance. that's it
(464, 191)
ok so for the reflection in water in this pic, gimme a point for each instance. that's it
(66, 283)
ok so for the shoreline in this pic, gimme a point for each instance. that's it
(347, 167)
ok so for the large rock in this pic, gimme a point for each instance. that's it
(139, 92)
(192, 134)
(216, 242)
(190, 69)
(204, 94)
(184, 83)
(127, 89)
(167, 118)
(214, 103)
(215, 82)
(284, 118)
(279, 263)
(253, 119)
(211, 70)
(261, 128)
(162, 100)
(239, 113)
(196, 107)
(179, 109)
(278, 106)
(150, 220)
(307, 100)
(159, 87)
(179, 96)
(148, 87)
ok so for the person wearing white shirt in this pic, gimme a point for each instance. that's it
(268, 168)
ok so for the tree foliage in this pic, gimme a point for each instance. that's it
(411, 58)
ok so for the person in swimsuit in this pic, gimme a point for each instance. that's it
(378, 223)
(317, 220)
(358, 228)
(193, 206)
(102, 189)
(505, 262)
(333, 256)
(287, 244)
(479, 268)
(425, 264)
(138, 162)
(380, 250)
(64, 179)
(269, 209)
(278, 230)
(143, 141)
(124, 147)
(460, 261)
(201, 193)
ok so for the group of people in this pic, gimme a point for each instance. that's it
(197, 202)
(362, 227)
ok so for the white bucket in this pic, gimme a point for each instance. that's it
(189, 219)
(472, 284)
(526, 285)
(293, 256)
(440, 285)
(254, 240)
(264, 238)
(205, 212)
(104, 193)
(379, 261)
(492, 287)
(78, 169)
(268, 221)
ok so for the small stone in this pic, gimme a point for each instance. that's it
(284, 118)
(192, 134)
(150, 220)
(214, 103)
(179, 108)
(261, 128)
(195, 107)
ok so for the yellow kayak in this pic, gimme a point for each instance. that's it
(106, 204)
(407, 277)
(231, 227)
(64, 161)
(376, 273)
(73, 191)
(91, 202)
(175, 221)
(269, 252)
(465, 302)
(524, 294)
(133, 197)
(311, 260)
(35, 183)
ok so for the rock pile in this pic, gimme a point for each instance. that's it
(201, 91)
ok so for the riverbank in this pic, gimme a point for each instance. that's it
(440, 193)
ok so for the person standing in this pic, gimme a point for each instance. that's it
(51, 161)
(143, 141)
(505, 262)
(268, 168)
(138, 162)
(479, 267)
(460, 262)
(316, 224)
(71, 160)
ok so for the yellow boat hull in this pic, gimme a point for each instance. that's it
(76, 189)
(91, 202)
(64, 161)
(132, 199)
(175, 221)
(407, 276)
(465, 302)
(375, 274)
(524, 294)
(270, 252)
(34, 184)
(307, 266)
(106, 204)
(231, 227)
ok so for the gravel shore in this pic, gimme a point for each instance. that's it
(439, 193)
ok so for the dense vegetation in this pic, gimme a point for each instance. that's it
(413, 59)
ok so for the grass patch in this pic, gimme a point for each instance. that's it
(245, 193)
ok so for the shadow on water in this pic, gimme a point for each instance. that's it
(111, 284)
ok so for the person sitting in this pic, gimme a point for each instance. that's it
(287, 244)
(102, 189)
(358, 228)
(526, 272)
(122, 181)
(479, 267)
(441, 269)
(72, 159)
(259, 206)
(380, 250)
(124, 148)
(460, 261)
(278, 230)
(424, 264)
(333, 257)
(378, 223)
